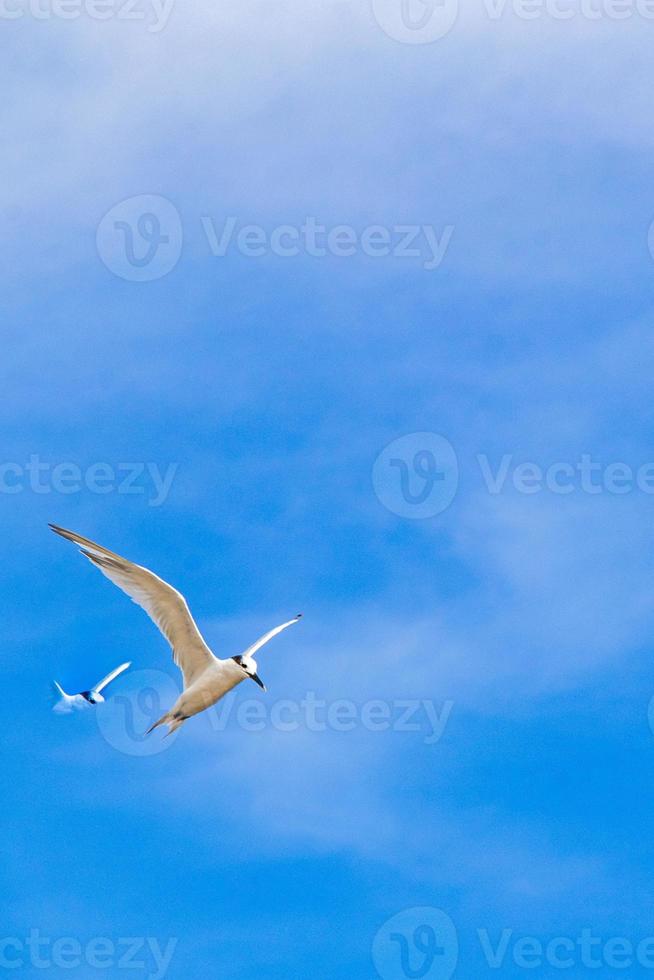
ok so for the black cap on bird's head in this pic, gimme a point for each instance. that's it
(249, 665)
(93, 697)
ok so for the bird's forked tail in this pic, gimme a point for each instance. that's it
(172, 720)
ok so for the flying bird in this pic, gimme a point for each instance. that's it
(206, 677)
(65, 704)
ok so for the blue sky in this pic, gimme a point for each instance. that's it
(268, 387)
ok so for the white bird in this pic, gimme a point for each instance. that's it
(206, 677)
(67, 703)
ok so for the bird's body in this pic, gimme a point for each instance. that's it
(65, 704)
(206, 677)
(214, 682)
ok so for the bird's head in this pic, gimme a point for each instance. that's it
(93, 697)
(249, 666)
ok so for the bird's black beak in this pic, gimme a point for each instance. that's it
(257, 679)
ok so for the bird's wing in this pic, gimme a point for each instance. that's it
(112, 676)
(164, 605)
(250, 652)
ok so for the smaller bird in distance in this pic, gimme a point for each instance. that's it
(206, 677)
(65, 704)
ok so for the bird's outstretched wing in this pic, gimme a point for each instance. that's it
(250, 652)
(164, 605)
(110, 677)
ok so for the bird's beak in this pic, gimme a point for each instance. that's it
(257, 679)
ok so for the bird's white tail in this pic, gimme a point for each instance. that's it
(58, 698)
